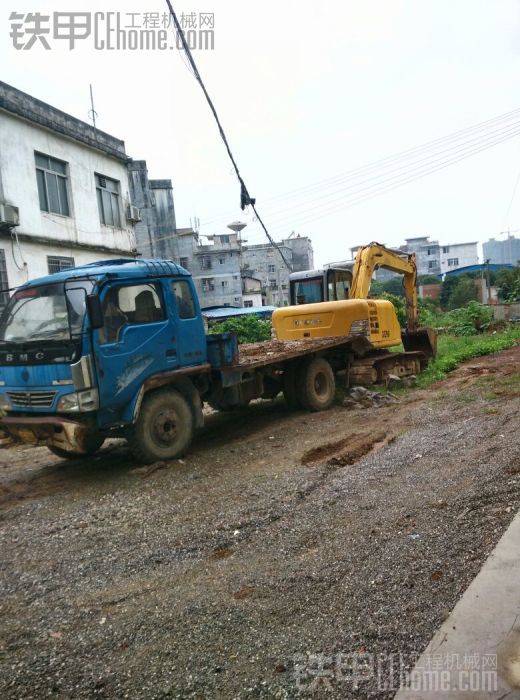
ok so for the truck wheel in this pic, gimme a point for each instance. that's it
(315, 385)
(164, 428)
(289, 387)
(92, 444)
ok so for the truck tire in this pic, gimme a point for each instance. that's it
(290, 394)
(164, 427)
(315, 385)
(92, 444)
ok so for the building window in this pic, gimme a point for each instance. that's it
(108, 201)
(225, 283)
(208, 284)
(4, 284)
(183, 262)
(446, 249)
(51, 176)
(431, 265)
(224, 238)
(184, 299)
(430, 251)
(272, 284)
(453, 262)
(222, 260)
(57, 263)
(205, 262)
(248, 303)
(271, 268)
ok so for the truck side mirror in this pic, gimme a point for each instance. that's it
(95, 311)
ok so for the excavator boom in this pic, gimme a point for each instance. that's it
(373, 256)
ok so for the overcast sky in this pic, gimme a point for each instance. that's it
(306, 91)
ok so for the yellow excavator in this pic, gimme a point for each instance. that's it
(335, 302)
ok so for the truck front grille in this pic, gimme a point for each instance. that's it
(37, 399)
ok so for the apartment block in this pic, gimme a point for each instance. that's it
(503, 252)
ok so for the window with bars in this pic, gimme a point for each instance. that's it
(208, 284)
(108, 196)
(57, 263)
(4, 283)
(51, 176)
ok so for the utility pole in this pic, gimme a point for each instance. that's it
(488, 282)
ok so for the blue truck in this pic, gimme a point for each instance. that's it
(118, 348)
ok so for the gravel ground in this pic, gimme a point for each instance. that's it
(283, 544)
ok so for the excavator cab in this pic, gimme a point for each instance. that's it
(313, 286)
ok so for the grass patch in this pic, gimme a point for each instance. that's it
(454, 350)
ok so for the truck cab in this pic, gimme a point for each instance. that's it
(77, 349)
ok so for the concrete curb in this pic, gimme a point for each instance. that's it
(482, 631)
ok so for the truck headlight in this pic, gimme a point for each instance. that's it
(5, 404)
(79, 401)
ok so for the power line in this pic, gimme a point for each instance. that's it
(512, 130)
(389, 160)
(375, 191)
(245, 198)
(464, 151)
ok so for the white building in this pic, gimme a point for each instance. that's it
(64, 191)
(253, 294)
(457, 255)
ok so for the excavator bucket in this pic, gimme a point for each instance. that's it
(422, 340)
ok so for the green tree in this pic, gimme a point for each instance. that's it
(508, 282)
(464, 292)
(428, 279)
(448, 287)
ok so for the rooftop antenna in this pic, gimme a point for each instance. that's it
(92, 114)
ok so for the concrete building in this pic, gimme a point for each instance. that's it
(253, 293)
(437, 259)
(229, 273)
(64, 193)
(503, 252)
(265, 263)
(155, 232)
(427, 253)
(216, 270)
(456, 255)
(215, 265)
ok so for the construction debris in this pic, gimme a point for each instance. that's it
(361, 397)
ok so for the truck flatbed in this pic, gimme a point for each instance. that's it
(269, 352)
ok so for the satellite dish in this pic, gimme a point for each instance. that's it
(237, 226)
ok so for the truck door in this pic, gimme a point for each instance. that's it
(190, 335)
(135, 342)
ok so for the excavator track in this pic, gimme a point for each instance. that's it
(376, 367)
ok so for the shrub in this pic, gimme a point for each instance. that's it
(469, 320)
(249, 329)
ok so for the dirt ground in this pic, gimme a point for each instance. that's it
(282, 550)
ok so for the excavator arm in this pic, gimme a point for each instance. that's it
(374, 256)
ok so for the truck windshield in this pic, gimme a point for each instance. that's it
(307, 291)
(50, 312)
